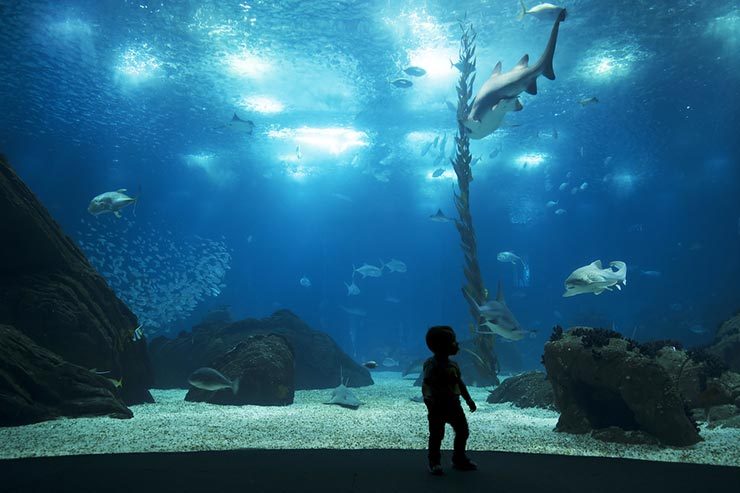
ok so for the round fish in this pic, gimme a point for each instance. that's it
(415, 71)
(402, 83)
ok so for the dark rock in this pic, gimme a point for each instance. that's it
(726, 343)
(531, 389)
(608, 384)
(37, 385)
(51, 293)
(263, 364)
(615, 434)
(319, 362)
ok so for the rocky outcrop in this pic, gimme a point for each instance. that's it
(726, 343)
(319, 362)
(263, 365)
(530, 389)
(601, 380)
(51, 293)
(37, 385)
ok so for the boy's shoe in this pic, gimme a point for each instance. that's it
(435, 470)
(464, 465)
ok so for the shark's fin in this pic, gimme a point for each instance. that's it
(497, 69)
(597, 264)
(235, 118)
(117, 214)
(523, 62)
(619, 288)
(532, 87)
(518, 105)
(500, 294)
(523, 11)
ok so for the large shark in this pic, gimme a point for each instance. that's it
(592, 278)
(503, 88)
(497, 318)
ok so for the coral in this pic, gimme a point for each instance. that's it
(712, 364)
(557, 333)
(595, 337)
(651, 348)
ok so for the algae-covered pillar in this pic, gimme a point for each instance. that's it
(486, 362)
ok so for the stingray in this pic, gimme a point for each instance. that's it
(342, 396)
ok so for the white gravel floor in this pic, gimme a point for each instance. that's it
(387, 419)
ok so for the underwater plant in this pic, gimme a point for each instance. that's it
(486, 363)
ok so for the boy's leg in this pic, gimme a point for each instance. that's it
(460, 424)
(436, 434)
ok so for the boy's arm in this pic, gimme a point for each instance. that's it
(466, 395)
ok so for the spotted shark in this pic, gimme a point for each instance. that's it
(503, 88)
(592, 278)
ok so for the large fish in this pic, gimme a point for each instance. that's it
(110, 202)
(592, 278)
(497, 318)
(503, 88)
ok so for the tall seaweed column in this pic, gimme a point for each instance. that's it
(485, 359)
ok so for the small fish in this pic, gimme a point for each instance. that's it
(358, 312)
(475, 161)
(509, 257)
(451, 106)
(390, 362)
(402, 83)
(438, 172)
(368, 270)
(551, 203)
(391, 299)
(607, 160)
(440, 217)
(560, 212)
(370, 364)
(394, 265)
(305, 282)
(588, 101)
(650, 273)
(698, 329)
(563, 186)
(584, 186)
(460, 65)
(494, 152)
(298, 153)
(425, 149)
(435, 141)
(352, 289)
(210, 379)
(415, 71)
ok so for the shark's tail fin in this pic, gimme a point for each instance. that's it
(136, 199)
(523, 11)
(547, 56)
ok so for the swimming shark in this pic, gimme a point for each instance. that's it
(497, 318)
(543, 11)
(504, 88)
(110, 202)
(592, 278)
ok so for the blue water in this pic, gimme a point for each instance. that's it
(97, 96)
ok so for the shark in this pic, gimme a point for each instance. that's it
(543, 11)
(503, 88)
(110, 202)
(238, 124)
(592, 278)
(497, 318)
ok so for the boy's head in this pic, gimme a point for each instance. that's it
(441, 340)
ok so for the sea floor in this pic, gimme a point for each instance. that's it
(388, 419)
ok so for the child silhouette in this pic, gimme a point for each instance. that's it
(442, 387)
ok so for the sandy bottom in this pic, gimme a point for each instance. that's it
(387, 419)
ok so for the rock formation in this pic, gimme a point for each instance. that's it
(530, 389)
(51, 293)
(263, 365)
(319, 362)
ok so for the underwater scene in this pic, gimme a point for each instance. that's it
(300, 225)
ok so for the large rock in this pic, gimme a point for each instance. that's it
(37, 385)
(263, 364)
(51, 293)
(319, 362)
(726, 343)
(530, 389)
(601, 380)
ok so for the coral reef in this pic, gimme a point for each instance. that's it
(319, 362)
(51, 293)
(726, 343)
(263, 364)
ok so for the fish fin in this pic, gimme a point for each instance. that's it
(496, 69)
(532, 87)
(598, 292)
(523, 62)
(235, 386)
(523, 11)
(117, 214)
(619, 288)
(597, 264)
(518, 105)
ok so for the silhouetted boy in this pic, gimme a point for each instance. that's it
(442, 387)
